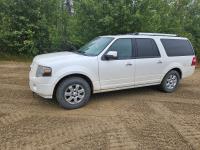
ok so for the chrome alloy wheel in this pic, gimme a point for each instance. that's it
(171, 81)
(74, 94)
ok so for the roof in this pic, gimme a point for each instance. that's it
(147, 35)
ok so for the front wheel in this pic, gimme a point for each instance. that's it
(170, 81)
(73, 93)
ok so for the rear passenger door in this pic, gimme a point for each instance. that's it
(149, 63)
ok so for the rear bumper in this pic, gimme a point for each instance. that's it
(43, 90)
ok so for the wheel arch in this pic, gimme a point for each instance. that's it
(86, 78)
(179, 71)
(176, 69)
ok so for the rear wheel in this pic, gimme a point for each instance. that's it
(73, 93)
(170, 81)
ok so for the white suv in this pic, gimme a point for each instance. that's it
(110, 63)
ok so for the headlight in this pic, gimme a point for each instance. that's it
(43, 71)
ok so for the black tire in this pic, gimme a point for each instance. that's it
(69, 82)
(164, 86)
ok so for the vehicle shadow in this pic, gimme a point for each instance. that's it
(125, 93)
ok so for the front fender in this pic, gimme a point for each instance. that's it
(93, 76)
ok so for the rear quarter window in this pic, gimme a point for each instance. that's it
(177, 47)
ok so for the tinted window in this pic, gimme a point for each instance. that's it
(147, 48)
(177, 47)
(123, 48)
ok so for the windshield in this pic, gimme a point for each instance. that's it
(95, 47)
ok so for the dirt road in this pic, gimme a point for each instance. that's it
(143, 118)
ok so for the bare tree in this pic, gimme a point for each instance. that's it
(69, 5)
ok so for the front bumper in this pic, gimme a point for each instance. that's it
(43, 90)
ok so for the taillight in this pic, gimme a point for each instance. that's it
(194, 61)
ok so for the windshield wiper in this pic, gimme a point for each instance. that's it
(80, 52)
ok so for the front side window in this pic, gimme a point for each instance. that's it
(177, 47)
(95, 47)
(123, 48)
(147, 48)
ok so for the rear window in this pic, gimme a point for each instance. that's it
(177, 47)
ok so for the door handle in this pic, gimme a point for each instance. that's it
(129, 64)
(159, 62)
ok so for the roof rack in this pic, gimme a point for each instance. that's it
(154, 34)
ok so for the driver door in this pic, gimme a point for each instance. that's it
(117, 72)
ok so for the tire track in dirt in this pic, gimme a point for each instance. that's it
(149, 129)
(188, 110)
(14, 87)
(23, 71)
(14, 80)
(14, 75)
(13, 92)
(187, 94)
(2, 114)
(110, 128)
(120, 139)
(12, 118)
(172, 100)
(187, 131)
(114, 137)
(53, 138)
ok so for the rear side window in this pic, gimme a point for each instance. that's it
(147, 48)
(177, 47)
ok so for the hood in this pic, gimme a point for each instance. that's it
(55, 57)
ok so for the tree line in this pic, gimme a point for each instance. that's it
(30, 27)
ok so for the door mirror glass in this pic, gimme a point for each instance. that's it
(111, 55)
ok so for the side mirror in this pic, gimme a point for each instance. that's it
(111, 55)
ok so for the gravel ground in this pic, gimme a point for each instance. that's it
(142, 119)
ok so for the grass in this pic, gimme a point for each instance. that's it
(11, 57)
